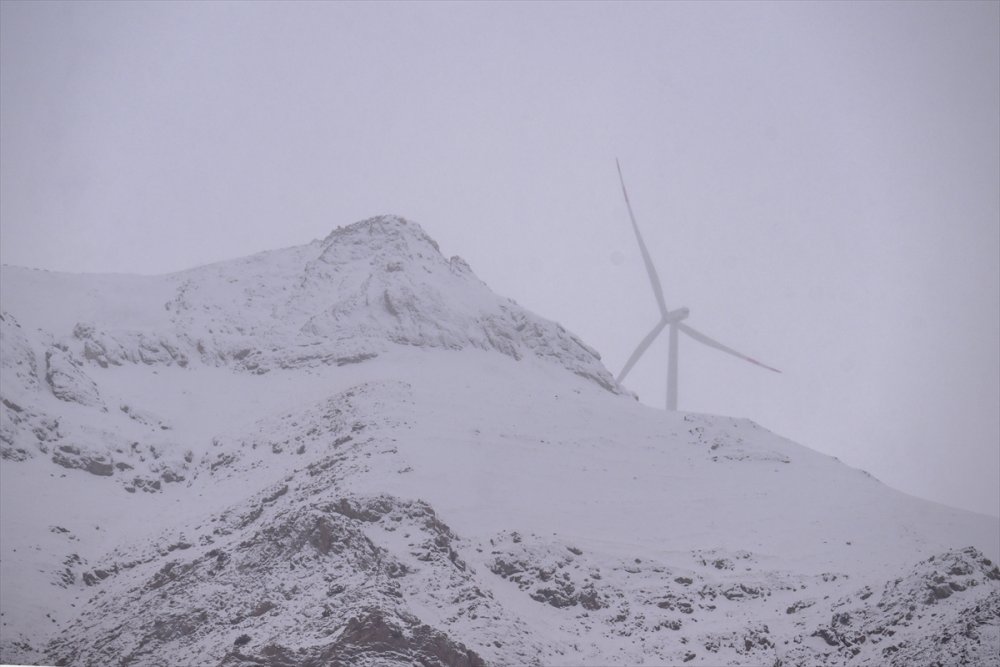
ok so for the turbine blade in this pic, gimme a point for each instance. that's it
(702, 338)
(654, 279)
(646, 342)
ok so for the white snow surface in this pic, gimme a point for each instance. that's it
(307, 445)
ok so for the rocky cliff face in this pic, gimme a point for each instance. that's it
(352, 452)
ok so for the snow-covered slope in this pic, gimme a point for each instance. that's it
(352, 452)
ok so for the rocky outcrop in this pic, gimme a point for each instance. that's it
(372, 639)
(18, 364)
(945, 611)
(69, 456)
(105, 349)
(67, 380)
(302, 569)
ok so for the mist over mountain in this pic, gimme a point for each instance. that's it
(354, 452)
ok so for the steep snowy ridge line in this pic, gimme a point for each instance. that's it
(352, 452)
(338, 301)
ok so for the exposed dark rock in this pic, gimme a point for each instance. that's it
(374, 638)
(798, 606)
(71, 457)
(67, 381)
(178, 625)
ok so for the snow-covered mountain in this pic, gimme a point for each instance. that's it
(353, 452)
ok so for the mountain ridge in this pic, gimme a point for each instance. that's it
(434, 302)
(348, 452)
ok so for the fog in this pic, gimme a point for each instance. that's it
(819, 183)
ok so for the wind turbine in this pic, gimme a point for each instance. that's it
(672, 318)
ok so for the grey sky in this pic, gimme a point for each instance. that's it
(817, 182)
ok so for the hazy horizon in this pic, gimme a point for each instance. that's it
(818, 183)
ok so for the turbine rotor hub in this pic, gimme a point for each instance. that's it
(675, 316)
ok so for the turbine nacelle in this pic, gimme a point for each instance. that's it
(676, 315)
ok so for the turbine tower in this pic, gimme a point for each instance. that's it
(672, 318)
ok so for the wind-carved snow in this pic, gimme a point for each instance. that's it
(352, 452)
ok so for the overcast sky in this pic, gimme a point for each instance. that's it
(818, 183)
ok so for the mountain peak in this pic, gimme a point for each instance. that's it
(385, 279)
(381, 231)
